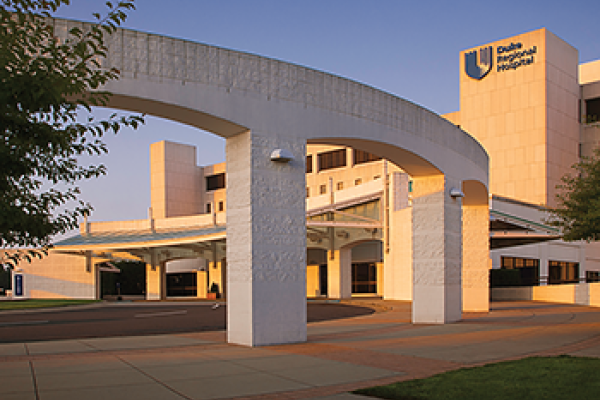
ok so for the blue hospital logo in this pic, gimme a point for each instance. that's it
(478, 67)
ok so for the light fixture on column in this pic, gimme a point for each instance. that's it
(282, 156)
(455, 193)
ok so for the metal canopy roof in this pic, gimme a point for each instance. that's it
(508, 231)
(145, 238)
(505, 231)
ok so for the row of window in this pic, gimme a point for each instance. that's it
(558, 271)
(220, 207)
(215, 182)
(338, 186)
(337, 159)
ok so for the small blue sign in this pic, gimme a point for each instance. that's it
(18, 285)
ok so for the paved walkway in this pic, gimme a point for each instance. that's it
(340, 356)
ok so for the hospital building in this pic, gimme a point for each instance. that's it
(529, 102)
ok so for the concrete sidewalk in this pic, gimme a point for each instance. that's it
(340, 356)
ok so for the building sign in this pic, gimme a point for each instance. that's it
(514, 56)
(18, 285)
(478, 63)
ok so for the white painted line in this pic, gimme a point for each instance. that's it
(161, 314)
(23, 323)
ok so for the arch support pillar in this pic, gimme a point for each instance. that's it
(339, 273)
(156, 279)
(266, 235)
(397, 255)
(476, 258)
(437, 253)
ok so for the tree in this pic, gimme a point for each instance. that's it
(578, 210)
(45, 81)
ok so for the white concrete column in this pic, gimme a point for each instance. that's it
(97, 283)
(437, 251)
(476, 259)
(201, 289)
(266, 241)
(380, 278)
(339, 273)
(582, 261)
(398, 271)
(156, 281)
(544, 268)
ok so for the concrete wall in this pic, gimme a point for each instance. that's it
(214, 197)
(59, 276)
(174, 180)
(587, 294)
(548, 251)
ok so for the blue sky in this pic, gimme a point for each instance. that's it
(408, 48)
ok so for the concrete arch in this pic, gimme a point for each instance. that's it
(260, 104)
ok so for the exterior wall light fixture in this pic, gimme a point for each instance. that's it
(282, 156)
(455, 193)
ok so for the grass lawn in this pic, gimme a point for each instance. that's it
(40, 303)
(548, 378)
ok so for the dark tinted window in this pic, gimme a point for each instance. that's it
(332, 159)
(215, 182)
(361, 157)
(592, 107)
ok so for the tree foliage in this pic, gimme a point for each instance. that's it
(45, 81)
(578, 209)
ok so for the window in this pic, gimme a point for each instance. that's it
(208, 208)
(529, 269)
(323, 189)
(182, 284)
(592, 276)
(517, 262)
(307, 192)
(340, 185)
(376, 177)
(560, 272)
(332, 159)
(309, 163)
(592, 110)
(364, 278)
(357, 182)
(361, 157)
(221, 206)
(215, 182)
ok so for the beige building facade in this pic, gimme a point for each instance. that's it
(534, 108)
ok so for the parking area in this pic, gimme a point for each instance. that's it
(340, 355)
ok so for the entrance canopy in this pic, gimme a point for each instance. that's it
(193, 236)
(168, 239)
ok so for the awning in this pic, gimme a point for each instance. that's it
(508, 230)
